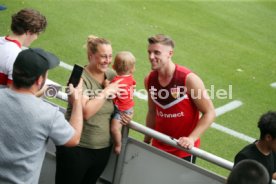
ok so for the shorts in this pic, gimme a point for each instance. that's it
(117, 115)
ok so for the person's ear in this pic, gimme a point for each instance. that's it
(89, 55)
(132, 70)
(268, 137)
(27, 33)
(39, 80)
(170, 53)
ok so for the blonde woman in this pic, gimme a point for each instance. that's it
(84, 163)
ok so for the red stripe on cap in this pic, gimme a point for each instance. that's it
(14, 41)
(9, 82)
(3, 79)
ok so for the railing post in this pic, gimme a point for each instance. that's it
(120, 157)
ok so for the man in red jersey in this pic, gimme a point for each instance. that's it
(178, 103)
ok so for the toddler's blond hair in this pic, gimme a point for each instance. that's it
(124, 62)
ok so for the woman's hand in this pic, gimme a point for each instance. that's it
(126, 118)
(112, 89)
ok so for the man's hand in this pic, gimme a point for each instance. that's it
(186, 142)
(75, 94)
(147, 139)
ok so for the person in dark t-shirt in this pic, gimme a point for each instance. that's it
(264, 149)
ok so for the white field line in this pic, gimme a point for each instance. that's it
(233, 133)
(273, 84)
(226, 108)
(219, 111)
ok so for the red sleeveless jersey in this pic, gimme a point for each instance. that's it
(176, 114)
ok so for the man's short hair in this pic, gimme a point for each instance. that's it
(161, 39)
(28, 20)
(267, 124)
(248, 172)
(30, 64)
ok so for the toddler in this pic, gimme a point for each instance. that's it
(124, 65)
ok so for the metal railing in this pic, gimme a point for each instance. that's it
(194, 151)
(166, 139)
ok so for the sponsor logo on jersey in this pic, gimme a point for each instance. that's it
(169, 115)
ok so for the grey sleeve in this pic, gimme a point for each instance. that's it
(61, 130)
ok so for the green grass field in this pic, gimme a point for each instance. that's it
(224, 42)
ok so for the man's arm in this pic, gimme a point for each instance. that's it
(150, 118)
(196, 89)
(76, 119)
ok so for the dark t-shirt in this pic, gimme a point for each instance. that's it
(252, 152)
